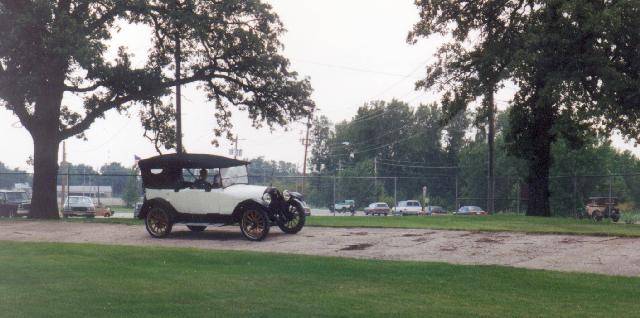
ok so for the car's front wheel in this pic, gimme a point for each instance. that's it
(196, 228)
(158, 222)
(295, 222)
(254, 224)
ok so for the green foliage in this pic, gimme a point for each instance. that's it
(229, 49)
(574, 63)
(132, 191)
(9, 177)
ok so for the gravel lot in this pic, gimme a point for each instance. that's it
(604, 255)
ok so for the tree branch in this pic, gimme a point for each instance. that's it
(76, 89)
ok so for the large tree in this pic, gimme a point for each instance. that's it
(51, 50)
(576, 64)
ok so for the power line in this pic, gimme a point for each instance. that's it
(421, 167)
(421, 65)
(351, 68)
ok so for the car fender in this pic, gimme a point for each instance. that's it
(249, 203)
(147, 204)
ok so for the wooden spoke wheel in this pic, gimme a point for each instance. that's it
(254, 224)
(295, 222)
(158, 222)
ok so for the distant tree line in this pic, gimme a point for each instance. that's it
(391, 139)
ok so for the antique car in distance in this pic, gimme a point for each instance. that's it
(173, 195)
(598, 208)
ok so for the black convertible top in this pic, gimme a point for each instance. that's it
(189, 161)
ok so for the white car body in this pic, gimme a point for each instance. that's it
(198, 201)
(409, 207)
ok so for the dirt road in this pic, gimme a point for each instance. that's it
(604, 255)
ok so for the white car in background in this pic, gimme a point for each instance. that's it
(408, 207)
(79, 206)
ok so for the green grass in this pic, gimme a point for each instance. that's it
(69, 280)
(510, 223)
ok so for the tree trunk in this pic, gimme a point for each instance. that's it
(540, 158)
(538, 204)
(45, 170)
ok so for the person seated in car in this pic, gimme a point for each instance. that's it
(201, 182)
(217, 183)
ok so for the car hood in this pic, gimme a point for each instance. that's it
(245, 191)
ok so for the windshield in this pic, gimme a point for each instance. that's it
(234, 175)
(79, 200)
(16, 196)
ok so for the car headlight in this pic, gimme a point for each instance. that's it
(286, 195)
(266, 198)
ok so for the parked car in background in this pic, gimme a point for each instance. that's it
(79, 206)
(598, 208)
(14, 203)
(434, 209)
(136, 209)
(103, 210)
(377, 208)
(409, 207)
(470, 210)
(344, 206)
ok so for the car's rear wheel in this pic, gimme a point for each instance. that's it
(615, 216)
(296, 222)
(254, 224)
(196, 228)
(596, 216)
(343, 210)
(158, 222)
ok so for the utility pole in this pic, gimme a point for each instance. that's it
(305, 142)
(177, 58)
(236, 152)
(375, 172)
(491, 159)
(65, 178)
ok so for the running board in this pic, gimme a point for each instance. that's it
(202, 224)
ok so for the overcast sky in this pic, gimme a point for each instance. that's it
(354, 51)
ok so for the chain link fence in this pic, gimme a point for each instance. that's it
(569, 194)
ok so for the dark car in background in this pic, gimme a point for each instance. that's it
(14, 203)
(434, 209)
(470, 210)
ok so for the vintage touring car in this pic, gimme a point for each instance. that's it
(200, 190)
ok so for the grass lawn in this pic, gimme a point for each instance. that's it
(69, 280)
(512, 223)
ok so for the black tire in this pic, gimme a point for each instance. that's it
(596, 216)
(254, 224)
(343, 210)
(158, 222)
(296, 224)
(196, 228)
(615, 216)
